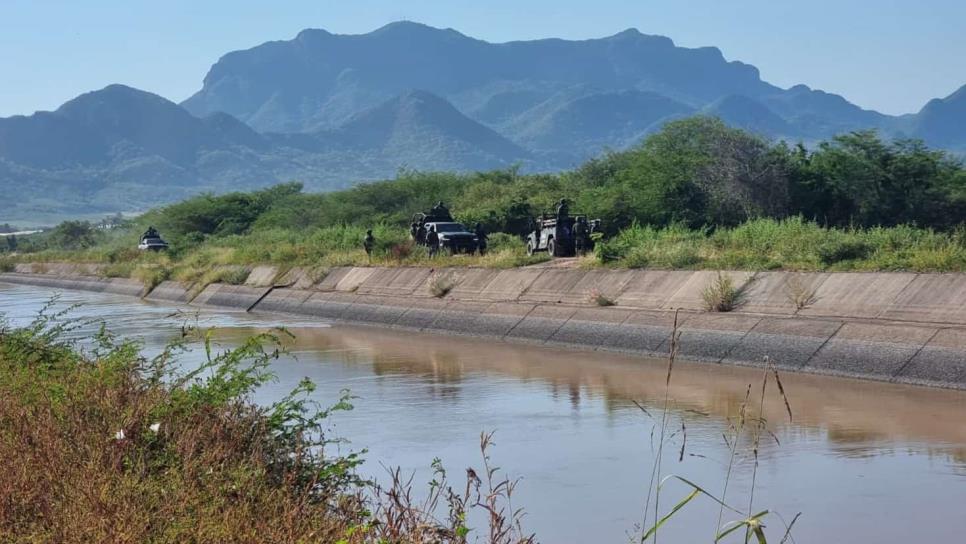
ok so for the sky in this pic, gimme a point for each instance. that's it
(888, 55)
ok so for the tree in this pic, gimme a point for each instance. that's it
(73, 235)
(702, 172)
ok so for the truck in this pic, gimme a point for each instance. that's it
(554, 233)
(454, 237)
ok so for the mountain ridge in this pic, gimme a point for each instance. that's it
(336, 109)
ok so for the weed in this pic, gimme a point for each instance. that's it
(722, 295)
(118, 270)
(151, 275)
(800, 294)
(406, 520)
(401, 251)
(749, 520)
(7, 264)
(106, 442)
(836, 251)
(440, 285)
(599, 298)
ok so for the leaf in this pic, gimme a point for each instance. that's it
(670, 514)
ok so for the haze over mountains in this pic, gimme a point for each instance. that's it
(332, 110)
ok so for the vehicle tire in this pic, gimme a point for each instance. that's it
(530, 249)
(552, 247)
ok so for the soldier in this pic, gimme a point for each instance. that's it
(481, 238)
(432, 240)
(440, 210)
(150, 233)
(368, 243)
(580, 235)
(563, 210)
(414, 231)
(421, 234)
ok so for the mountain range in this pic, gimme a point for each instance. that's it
(333, 110)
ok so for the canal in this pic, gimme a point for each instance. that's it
(861, 461)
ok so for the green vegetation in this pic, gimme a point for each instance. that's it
(104, 445)
(698, 194)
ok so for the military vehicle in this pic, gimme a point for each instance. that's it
(454, 237)
(554, 233)
(418, 228)
(151, 241)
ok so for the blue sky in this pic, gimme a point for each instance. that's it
(884, 54)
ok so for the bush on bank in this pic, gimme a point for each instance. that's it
(102, 444)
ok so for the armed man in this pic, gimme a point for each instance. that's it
(563, 209)
(432, 240)
(481, 238)
(368, 243)
(581, 235)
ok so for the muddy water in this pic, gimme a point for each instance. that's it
(862, 461)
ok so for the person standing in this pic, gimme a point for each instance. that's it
(580, 236)
(368, 243)
(432, 240)
(563, 209)
(481, 239)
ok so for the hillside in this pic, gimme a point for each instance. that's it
(124, 149)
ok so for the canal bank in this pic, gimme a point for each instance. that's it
(898, 327)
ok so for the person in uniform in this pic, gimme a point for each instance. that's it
(421, 233)
(150, 233)
(563, 210)
(481, 238)
(368, 243)
(580, 235)
(432, 240)
(414, 230)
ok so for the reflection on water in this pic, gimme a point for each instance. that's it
(863, 461)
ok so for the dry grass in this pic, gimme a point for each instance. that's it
(440, 285)
(722, 295)
(599, 298)
(750, 521)
(800, 294)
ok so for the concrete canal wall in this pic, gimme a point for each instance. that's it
(900, 327)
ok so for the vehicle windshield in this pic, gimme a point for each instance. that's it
(450, 227)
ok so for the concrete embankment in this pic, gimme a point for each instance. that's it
(900, 327)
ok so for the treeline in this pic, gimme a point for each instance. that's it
(696, 173)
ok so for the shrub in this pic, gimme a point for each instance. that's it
(599, 298)
(107, 443)
(721, 295)
(798, 293)
(836, 251)
(440, 285)
(151, 275)
(400, 252)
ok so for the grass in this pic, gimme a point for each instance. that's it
(722, 295)
(790, 244)
(748, 520)
(764, 244)
(800, 294)
(439, 285)
(600, 299)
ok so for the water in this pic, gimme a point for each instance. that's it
(862, 461)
